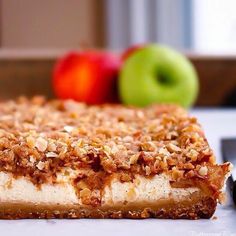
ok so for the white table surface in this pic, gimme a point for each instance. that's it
(217, 124)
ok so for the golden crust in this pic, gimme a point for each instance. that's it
(203, 208)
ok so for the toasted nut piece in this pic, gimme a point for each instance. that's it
(188, 166)
(32, 159)
(41, 144)
(176, 174)
(107, 149)
(30, 142)
(149, 146)
(173, 148)
(171, 135)
(40, 165)
(128, 139)
(164, 151)
(134, 158)
(172, 162)
(68, 128)
(193, 154)
(203, 170)
(147, 170)
(51, 154)
(125, 177)
(114, 150)
(52, 147)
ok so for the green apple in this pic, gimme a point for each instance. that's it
(158, 74)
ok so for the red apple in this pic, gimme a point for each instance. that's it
(88, 76)
(128, 52)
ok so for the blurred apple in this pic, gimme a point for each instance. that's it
(157, 74)
(128, 52)
(89, 76)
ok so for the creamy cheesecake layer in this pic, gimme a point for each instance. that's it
(140, 190)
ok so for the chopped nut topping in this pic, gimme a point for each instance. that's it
(164, 151)
(193, 154)
(128, 139)
(177, 174)
(32, 159)
(52, 147)
(203, 170)
(188, 166)
(134, 159)
(68, 128)
(30, 141)
(148, 170)
(107, 150)
(173, 148)
(41, 144)
(172, 134)
(125, 177)
(40, 165)
(51, 136)
(114, 149)
(51, 154)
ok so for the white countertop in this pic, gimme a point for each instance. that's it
(217, 124)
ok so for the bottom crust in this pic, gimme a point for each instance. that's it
(203, 208)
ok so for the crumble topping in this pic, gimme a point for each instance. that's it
(203, 170)
(39, 139)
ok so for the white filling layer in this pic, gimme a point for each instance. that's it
(141, 189)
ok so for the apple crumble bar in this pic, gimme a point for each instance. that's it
(63, 159)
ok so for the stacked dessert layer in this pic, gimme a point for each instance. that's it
(62, 159)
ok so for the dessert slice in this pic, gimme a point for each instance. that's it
(68, 160)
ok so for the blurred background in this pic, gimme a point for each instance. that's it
(34, 33)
